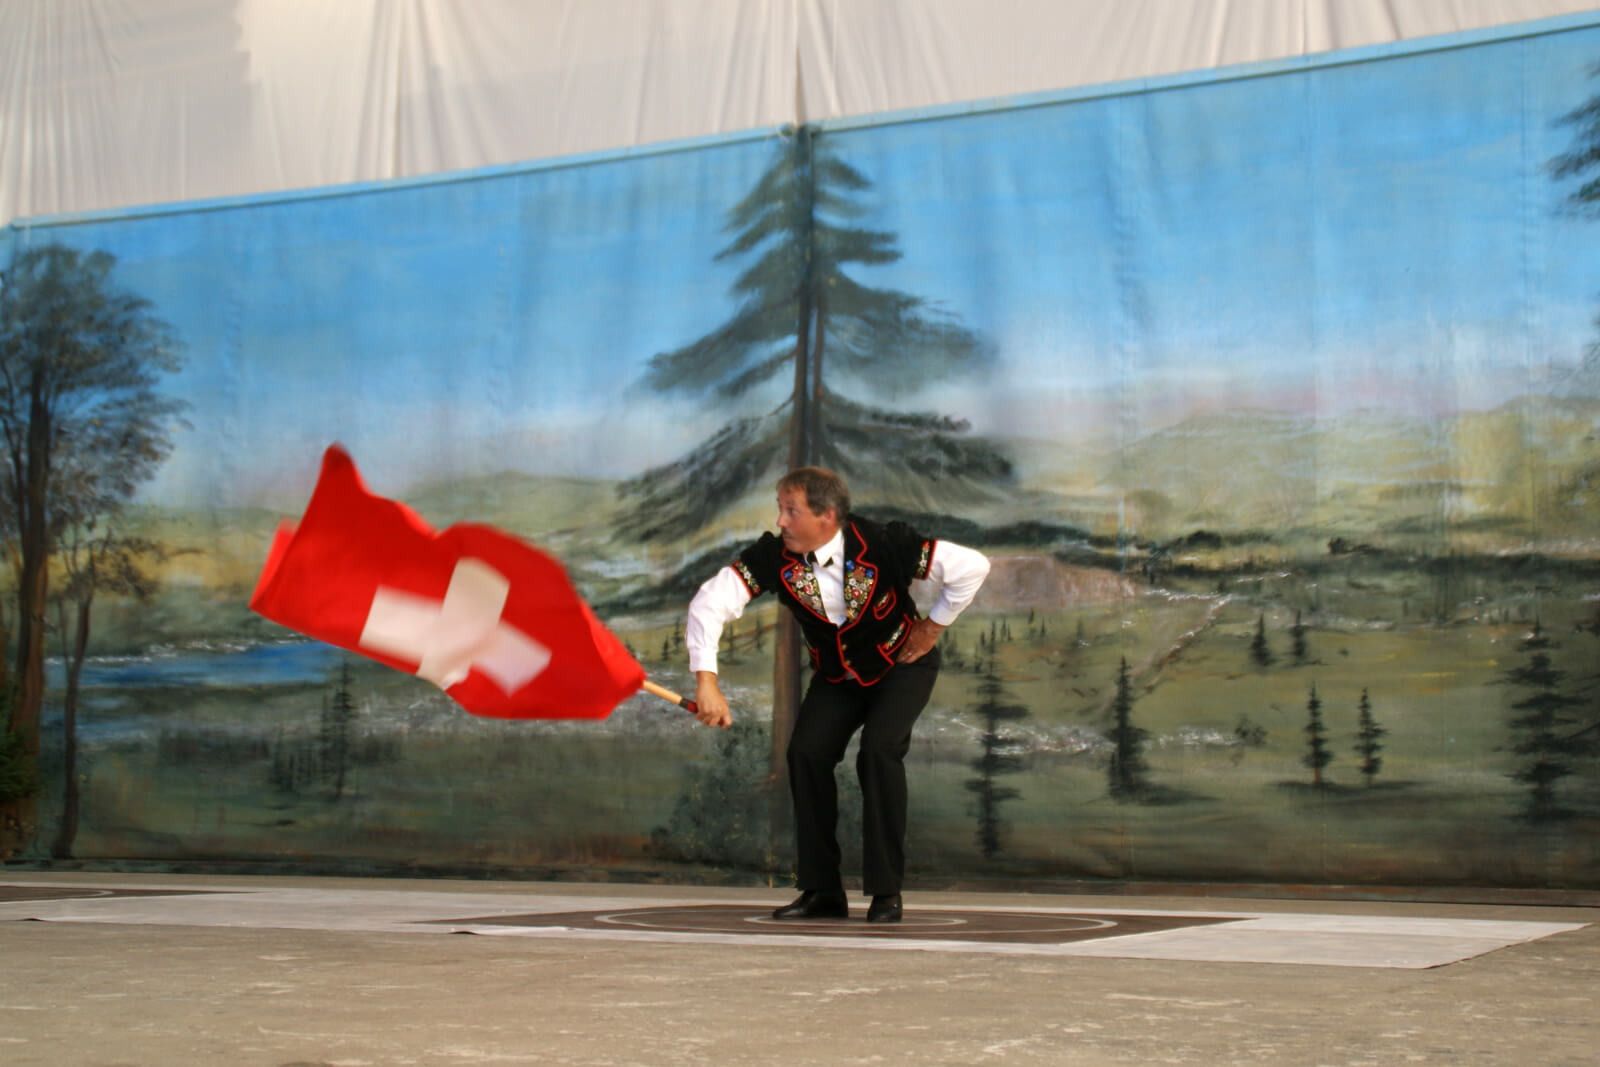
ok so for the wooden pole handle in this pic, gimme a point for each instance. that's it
(666, 694)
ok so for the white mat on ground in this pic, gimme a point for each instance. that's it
(1303, 938)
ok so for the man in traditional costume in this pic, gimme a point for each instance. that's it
(848, 582)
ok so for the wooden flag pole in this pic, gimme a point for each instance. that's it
(666, 694)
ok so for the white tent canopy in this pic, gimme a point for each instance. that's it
(112, 103)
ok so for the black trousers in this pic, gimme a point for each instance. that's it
(829, 716)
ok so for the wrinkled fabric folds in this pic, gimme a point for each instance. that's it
(115, 103)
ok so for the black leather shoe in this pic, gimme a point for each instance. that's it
(815, 904)
(885, 909)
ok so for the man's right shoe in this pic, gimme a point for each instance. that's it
(886, 908)
(815, 904)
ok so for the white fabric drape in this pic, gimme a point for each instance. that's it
(112, 103)
(864, 56)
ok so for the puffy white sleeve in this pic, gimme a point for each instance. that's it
(954, 576)
(720, 600)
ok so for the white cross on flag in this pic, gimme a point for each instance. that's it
(487, 617)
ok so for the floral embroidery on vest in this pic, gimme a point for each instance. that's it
(924, 560)
(888, 646)
(802, 582)
(748, 576)
(857, 587)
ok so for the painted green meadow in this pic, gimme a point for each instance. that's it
(264, 773)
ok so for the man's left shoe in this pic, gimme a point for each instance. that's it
(885, 909)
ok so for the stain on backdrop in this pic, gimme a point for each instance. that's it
(1272, 397)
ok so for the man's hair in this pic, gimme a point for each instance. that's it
(823, 489)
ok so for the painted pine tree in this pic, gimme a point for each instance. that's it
(281, 774)
(1247, 734)
(1318, 755)
(1581, 161)
(338, 717)
(997, 759)
(1369, 741)
(833, 346)
(1127, 769)
(1260, 651)
(804, 318)
(1542, 732)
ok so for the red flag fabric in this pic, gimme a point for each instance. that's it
(487, 617)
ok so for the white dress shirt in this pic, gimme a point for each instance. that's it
(954, 575)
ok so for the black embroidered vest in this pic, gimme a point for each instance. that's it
(880, 563)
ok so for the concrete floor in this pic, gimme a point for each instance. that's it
(354, 972)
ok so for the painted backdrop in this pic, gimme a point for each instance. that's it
(1272, 394)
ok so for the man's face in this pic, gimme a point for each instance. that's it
(803, 530)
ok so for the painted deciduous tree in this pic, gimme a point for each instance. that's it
(98, 471)
(715, 820)
(95, 557)
(80, 361)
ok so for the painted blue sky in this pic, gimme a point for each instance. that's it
(1375, 234)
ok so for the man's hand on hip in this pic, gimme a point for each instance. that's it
(924, 635)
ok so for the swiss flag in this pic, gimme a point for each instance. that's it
(485, 616)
